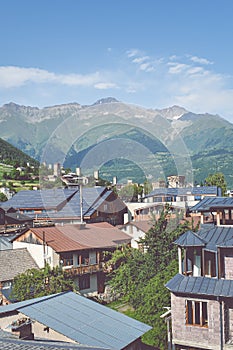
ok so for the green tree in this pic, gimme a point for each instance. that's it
(129, 193)
(3, 197)
(147, 187)
(36, 283)
(139, 276)
(217, 179)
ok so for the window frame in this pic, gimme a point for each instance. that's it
(196, 313)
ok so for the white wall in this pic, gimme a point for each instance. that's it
(37, 252)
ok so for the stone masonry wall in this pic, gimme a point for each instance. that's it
(195, 336)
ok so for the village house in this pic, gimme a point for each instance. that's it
(144, 211)
(10, 218)
(136, 230)
(184, 197)
(202, 291)
(96, 204)
(79, 249)
(69, 317)
(12, 263)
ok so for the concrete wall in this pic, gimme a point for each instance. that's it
(195, 336)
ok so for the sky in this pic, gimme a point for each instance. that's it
(152, 53)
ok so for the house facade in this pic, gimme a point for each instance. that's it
(79, 249)
(182, 196)
(202, 291)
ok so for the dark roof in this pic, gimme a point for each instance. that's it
(17, 218)
(10, 342)
(190, 285)
(72, 207)
(15, 261)
(209, 236)
(216, 236)
(72, 237)
(190, 238)
(62, 203)
(82, 320)
(39, 199)
(209, 204)
(182, 191)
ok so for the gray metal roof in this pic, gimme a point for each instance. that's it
(82, 320)
(39, 199)
(210, 237)
(190, 285)
(212, 203)
(60, 203)
(182, 191)
(190, 238)
(9, 341)
(5, 240)
(216, 236)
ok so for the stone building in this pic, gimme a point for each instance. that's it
(202, 291)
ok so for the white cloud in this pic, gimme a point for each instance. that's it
(176, 68)
(200, 60)
(105, 86)
(140, 59)
(132, 53)
(147, 67)
(11, 76)
(195, 70)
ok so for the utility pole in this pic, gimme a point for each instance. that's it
(44, 255)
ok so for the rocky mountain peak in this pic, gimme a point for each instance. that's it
(105, 100)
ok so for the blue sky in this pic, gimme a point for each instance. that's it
(153, 53)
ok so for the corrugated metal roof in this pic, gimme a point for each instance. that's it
(190, 238)
(190, 285)
(212, 203)
(83, 320)
(72, 237)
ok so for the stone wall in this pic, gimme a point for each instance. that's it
(192, 335)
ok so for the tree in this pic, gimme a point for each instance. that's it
(36, 283)
(218, 180)
(139, 276)
(129, 193)
(3, 197)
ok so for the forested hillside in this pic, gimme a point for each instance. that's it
(13, 156)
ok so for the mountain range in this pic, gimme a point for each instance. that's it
(121, 139)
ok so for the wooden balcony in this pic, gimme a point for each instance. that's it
(83, 269)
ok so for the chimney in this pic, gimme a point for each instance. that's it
(23, 328)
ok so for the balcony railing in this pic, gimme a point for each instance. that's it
(83, 269)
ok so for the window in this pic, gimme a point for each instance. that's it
(196, 313)
(67, 259)
(84, 282)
